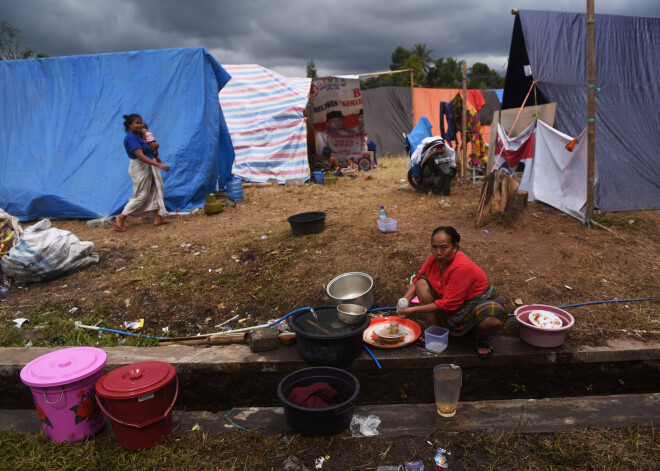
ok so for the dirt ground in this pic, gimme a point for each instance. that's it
(190, 275)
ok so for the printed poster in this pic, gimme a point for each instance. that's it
(336, 113)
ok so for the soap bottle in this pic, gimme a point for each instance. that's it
(382, 212)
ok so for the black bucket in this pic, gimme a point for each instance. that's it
(323, 422)
(307, 223)
(320, 348)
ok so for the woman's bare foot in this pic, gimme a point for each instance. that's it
(159, 221)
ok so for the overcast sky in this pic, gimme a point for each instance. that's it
(342, 36)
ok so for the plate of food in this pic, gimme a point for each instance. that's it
(377, 333)
(386, 334)
(545, 319)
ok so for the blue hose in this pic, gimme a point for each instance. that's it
(602, 302)
(380, 368)
(289, 314)
(382, 309)
(130, 333)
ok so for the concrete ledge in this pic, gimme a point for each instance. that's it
(221, 377)
(522, 416)
(238, 358)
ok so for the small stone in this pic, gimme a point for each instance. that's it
(519, 302)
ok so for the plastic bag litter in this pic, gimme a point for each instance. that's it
(292, 463)
(364, 426)
(45, 253)
(9, 223)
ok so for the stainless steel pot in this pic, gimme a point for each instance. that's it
(351, 313)
(352, 288)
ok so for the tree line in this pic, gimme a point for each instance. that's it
(11, 47)
(434, 73)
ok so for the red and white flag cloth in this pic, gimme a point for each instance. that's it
(517, 149)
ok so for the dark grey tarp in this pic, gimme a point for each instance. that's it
(628, 77)
(491, 106)
(387, 115)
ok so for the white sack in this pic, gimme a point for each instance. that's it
(45, 252)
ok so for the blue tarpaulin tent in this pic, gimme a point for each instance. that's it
(550, 47)
(61, 144)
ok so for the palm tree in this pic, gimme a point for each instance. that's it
(420, 51)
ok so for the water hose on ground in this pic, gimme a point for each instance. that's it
(224, 332)
(603, 302)
(380, 368)
(271, 324)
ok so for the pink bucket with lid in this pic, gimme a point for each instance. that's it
(62, 385)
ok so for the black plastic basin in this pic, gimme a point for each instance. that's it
(307, 223)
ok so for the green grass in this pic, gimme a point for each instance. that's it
(631, 448)
(626, 223)
(51, 324)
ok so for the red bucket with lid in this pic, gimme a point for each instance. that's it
(138, 399)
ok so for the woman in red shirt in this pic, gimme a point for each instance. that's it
(454, 293)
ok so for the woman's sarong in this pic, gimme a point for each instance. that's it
(474, 310)
(147, 190)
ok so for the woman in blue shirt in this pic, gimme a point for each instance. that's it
(147, 199)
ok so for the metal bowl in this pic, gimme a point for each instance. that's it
(352, 288)
(351, 313)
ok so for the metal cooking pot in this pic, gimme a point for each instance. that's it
(352, 288)
(351, 313)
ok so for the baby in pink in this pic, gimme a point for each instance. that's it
(150, 139)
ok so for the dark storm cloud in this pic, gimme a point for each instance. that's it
(342, 36)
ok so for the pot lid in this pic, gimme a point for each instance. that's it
(64, 366)
(135, 380)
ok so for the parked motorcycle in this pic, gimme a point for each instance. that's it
(433, 165)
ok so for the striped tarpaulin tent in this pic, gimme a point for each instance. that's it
(264, 114)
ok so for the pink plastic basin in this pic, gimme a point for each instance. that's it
(62, 385)
(538, 336)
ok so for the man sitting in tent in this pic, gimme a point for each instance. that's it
(325, 160)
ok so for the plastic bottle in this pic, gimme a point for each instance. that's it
(101, 222)
(414, 466)
(382, 212)
(235, 189)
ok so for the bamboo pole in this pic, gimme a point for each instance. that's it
(591, 109)
(412, 96)
(412, 76)
(210, 340)
(463, 123)
(385, 73)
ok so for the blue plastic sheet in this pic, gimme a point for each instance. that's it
(421, 131)
(628, 77)
(61, 146)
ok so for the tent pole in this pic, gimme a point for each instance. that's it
(463, 120)
(412, 96)
(591, 109)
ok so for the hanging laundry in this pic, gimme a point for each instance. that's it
(447, 113)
